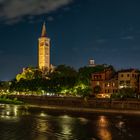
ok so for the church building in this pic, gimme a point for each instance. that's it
(44, 51)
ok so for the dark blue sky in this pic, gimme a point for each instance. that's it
(105, 30)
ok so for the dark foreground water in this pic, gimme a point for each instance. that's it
(20, 123)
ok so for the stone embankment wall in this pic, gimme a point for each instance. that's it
(80, 102)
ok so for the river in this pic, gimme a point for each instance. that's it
(25, 123)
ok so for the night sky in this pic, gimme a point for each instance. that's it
(106, 30)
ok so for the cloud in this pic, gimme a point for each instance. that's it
(128, 38)
(66, 8)
(50, 18)
(15, 10)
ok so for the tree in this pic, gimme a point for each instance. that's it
(97, 89)
(127, 92)
(62, 76)
(31, 79)
(84, 74)
(124, 93)
(29, 74)
(4, 85)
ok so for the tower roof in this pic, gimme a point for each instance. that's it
(44, 33)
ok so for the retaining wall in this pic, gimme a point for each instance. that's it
(80, 102)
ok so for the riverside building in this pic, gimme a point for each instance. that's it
(107, 82)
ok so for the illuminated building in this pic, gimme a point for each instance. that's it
(108, 82)
(104, 83)
(44, 51)
(91, 63)
(128, 79)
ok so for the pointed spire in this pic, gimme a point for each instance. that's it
(43, 33)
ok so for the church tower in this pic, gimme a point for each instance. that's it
(44, 50)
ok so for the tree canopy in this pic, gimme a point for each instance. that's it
(62, 80)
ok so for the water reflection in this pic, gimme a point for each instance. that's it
(42, 114)
(83, 120)
(103, 128)
(11, 111)
(21, 123)
(42, 125)
(120, 124)
(121, 128)
(15, 110)
(66, 126)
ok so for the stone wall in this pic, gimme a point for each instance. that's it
(80, 102)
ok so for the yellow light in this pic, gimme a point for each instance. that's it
(42, 114)
(103, 130)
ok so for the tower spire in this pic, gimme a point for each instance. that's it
(43, 33)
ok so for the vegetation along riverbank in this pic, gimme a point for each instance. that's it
(6, 100)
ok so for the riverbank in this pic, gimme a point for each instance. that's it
(14, 101)
(81, 105)
(84, 110)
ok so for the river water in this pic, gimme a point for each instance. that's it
(22, 123)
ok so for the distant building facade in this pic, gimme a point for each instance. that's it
(91, 63)
(128, 79)
(111, 86)
(44, 50)
(102, 82)
(139, 85)
(108, 82)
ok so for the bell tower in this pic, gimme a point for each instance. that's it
(44, 50)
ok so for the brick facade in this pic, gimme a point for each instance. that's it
(109, 82)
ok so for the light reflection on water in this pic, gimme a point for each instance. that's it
(11, 111)
(21, 123)
(8, 112)
(66, 126)
(103, 128)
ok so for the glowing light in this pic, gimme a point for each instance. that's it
(103, 130)
(83, 120)
(15, 110)
(120, 125)
(66, 124)
(42, 125)
(104, 95)
(8, 113)
(42, 114)
(102, 121)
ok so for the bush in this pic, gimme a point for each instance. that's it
(124, 93)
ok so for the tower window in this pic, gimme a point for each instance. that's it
(46, 44)
(42, 43)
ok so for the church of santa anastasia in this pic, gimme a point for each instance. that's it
(44, 51)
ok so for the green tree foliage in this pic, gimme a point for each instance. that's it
(62, 76)
(124, 93)
(64, 80)
(4, 85)
(127, 92)
(84, 75)
(97, 89)
(29, 85)
(29, 74)
(31, 79)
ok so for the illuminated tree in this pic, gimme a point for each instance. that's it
(62, 76)
(29, 74)
(84, 74)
